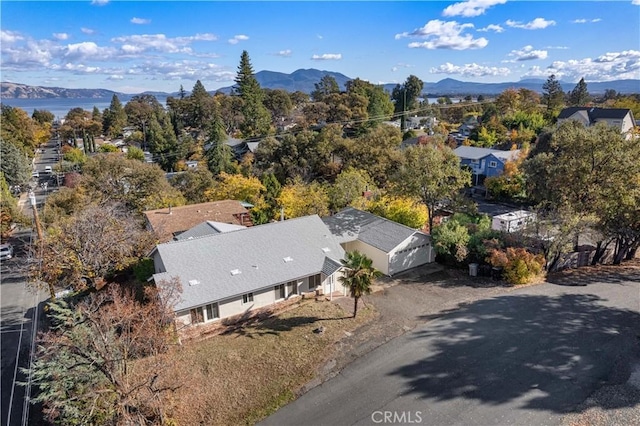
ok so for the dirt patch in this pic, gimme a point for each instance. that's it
(249, 372)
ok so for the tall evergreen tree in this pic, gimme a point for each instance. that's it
(114, 118)
(406, 96)
(552, 95)
(579, 96)
(219, 155)
(257, 119)
(327, 86)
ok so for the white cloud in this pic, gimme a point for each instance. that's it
(327, 57)
(238, 38)
(492, 27)
(115, 77)
(284, 53)
(585, 21)
(319, 36)
(610, 66)
(400, 65)
(99, 2)
(61, 36)
(527, 53)
(140, 21)
(10, 36)
(636, 2)
(444, 35)
(557, 47)
(536, 24)
(87, 50)
(139, 43)
(88, 31)
(470, 8)
(183, 70)
(470, 70)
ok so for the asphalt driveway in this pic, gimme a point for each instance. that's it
(528, 356)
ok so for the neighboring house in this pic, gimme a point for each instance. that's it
(392, 247)
(191, 164)
(170, 222)
(620, 118)
(484, 162)
(512, 221)
(234, 272)
(207, 228)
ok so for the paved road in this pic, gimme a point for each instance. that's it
(18, 305)
(17, 327)
(527, 357)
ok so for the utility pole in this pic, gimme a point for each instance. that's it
(36, 219)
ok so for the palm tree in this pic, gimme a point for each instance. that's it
(358, 275)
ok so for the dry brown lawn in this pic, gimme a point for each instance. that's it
(246, 374)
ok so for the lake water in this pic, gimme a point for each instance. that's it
(59, 107)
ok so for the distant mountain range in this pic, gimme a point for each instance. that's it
(304, 80)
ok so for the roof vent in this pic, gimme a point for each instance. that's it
(326, 249)
(194, 282)
(235, 272)
(288, 259)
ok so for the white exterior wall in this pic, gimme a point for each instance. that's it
(331, 283)
(380, 259)
(261, 298)
(412, 252)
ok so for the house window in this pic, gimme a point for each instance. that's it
(493, 164)
(212, 311)
(246, 298)
(314, 281)
(197, 316)
(475, 161)
(279, 290)
(292, 288)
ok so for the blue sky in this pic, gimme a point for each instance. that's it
(131, 46)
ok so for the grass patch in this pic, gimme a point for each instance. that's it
(245, 375)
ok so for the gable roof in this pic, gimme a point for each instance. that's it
(207, 228)
(256, 255)
(595, 114)
(476, 153)
(352, 224)
(167, 222)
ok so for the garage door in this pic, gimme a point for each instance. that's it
(409, 258)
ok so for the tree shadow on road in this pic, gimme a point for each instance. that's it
(549, 353)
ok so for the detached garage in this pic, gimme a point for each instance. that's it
(392, 247)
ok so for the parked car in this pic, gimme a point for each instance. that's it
(35, 174)
(48, 169)
(6, 251)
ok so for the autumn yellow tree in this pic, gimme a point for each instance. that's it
(298, 199)
(235, 187)
(404, 210)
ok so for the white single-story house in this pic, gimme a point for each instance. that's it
(393, 247)
(230, 273)
(512, 221)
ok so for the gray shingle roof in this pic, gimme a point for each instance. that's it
(476, 153)
(595, 113)
(207, 228)
(258, 254)
(352, 224)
